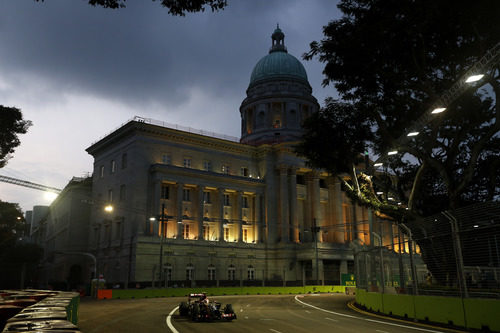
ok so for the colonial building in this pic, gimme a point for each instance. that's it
(185, 208)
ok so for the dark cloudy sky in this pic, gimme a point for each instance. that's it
(79, 72)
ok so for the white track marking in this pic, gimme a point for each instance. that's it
(169, 321)
(334, 320)
(274, 331)
(366, 319)
(381, 331)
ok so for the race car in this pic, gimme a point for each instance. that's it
(199, 308)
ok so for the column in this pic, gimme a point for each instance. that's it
(293, 204)
(283, 204)
(239, 199)
(271, 201)
(201, 206)
(220, 199)
(316, 205)
(257, 218)
(180, 189)
(155, 210)
(339, 214)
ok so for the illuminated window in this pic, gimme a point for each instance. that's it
(185, 231)
(206, 232)
(225, 169)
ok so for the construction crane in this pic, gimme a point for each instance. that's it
(28, 184)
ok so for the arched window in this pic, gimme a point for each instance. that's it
(231, 273)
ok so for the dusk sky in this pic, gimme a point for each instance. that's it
(79, 72)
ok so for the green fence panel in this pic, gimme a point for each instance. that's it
(399, 305)
(481, 313)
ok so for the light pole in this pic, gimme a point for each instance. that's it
(161, 241)
(381, 260)
(315, 229)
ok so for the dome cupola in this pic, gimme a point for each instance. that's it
(279, 97)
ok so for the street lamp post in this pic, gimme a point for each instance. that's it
(315, 229)
(381, 260)
(161, 241)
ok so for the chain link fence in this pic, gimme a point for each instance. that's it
(455, 253)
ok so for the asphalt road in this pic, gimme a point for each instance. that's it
(271, 314)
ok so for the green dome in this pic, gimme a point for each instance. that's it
(278, 64)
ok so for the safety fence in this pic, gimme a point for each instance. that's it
(455, 253)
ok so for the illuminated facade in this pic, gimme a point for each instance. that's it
(203, 210)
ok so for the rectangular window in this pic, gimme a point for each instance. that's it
(113, 166)
(226, 234)
(231, 273)
(101, 171)
(227, 200)
(211, 273)
(107, 233)
(245, 235)
(165, 194)
(118, 230)
(206, 232)
(124, 160)
(244, 172)
(206, 197)
(186, 162)
(225, 169)
(251, 273)
(185, 231)
(110, 195)
(189, 273)
(207, 165)
(123, 192)
(166, 159)
(168, 273)
(186, 194)
(245, 202)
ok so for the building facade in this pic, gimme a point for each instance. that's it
(185, 209)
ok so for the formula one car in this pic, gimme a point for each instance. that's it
(199, 308)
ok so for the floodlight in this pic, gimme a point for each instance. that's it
(413, 134)
(438, 110)
(474, 78)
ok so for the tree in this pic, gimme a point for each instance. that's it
(12, 224)
(391, 60)
(11, 124)
(175, 7)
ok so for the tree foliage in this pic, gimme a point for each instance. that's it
(391, 60)
(12, 224)
(11, 125)
(175, 7)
